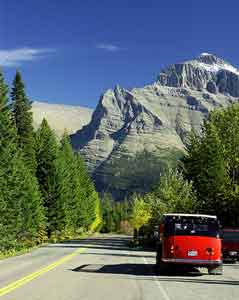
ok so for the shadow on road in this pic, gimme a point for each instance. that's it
(134, 269)
(148, 272)
(120, 254)
(114, 243)
(206, 281)
(122, 269)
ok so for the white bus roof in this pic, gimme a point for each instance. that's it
(191, 215)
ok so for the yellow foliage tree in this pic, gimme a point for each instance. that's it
(141, 213)
(98, 219)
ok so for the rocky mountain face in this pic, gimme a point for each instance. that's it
(61, 117)
(207, 72)
(153, 120)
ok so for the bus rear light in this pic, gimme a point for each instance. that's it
(210, 251)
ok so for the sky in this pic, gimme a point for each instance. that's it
(72, 51)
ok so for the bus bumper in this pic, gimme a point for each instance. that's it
(192, 261)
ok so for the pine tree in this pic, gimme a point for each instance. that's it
(21, 215)
(77, 202)
(107, 207)
(24, 121)
(24, 199)
(86, 198)
(7, 128)
(7, 150)
(65, 189)
(46, 153)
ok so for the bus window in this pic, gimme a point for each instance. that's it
(191, 226)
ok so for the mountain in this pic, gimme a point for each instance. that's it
(61, 117)
(207, 72)
(131, 131)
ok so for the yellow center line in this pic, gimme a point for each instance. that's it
(16, 284)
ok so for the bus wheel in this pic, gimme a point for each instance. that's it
(162, 268)
(158, 254)
(215, 270)
(158, 258)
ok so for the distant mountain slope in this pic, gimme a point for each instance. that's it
(155, 118)
(61, 117)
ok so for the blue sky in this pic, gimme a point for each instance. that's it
(72, 51)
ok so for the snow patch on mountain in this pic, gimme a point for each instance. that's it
(215, 68)
(213, 64)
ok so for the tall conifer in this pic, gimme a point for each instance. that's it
(24, 121)
(65, 187)
(21, 215)
(46, 154)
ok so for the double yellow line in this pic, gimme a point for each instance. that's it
(16, 284)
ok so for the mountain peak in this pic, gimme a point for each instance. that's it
(205, 54)
(212, 63)
(205, 72)
(210, 59)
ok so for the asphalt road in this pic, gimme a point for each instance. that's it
(104, 268)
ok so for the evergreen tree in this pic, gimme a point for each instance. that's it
(46, 153)
(7, 128)
(24, 203)
(65, 188)
(77, 200)
(107, 206)
(24, 121)
(115, 215)
(21, 215)
(86, 197)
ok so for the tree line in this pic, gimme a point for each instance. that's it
(206, 179)
(45, 190)
(115, 215)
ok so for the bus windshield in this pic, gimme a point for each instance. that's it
(199, 226)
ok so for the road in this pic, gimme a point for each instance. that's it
(104, 268)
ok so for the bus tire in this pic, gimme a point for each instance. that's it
(215, 270)
(162, 268)
(159, 254)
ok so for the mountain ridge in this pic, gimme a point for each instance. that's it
(155, 118)
(204, 72)
(61, 117)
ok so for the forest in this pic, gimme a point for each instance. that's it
(46, 192)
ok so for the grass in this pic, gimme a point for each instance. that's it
(14, 252)
(24, 250)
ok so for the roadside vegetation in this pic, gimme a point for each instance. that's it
(46, 192)
(115, 215)
(206, 179)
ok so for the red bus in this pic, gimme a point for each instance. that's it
(230, 244)
(190, 239)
